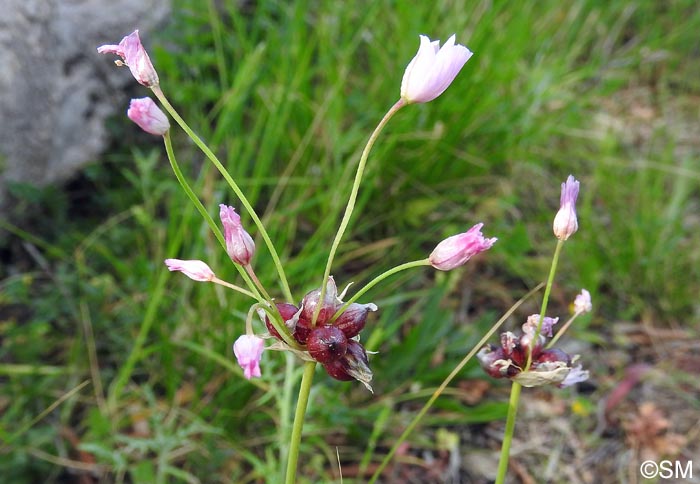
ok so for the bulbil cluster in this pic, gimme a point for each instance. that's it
(332, 341)
(548, 365)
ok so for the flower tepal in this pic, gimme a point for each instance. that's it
(134, 56)
(239, 243)
(456, 250)
(433, 69)
(248, 350)
(148, 116)
(194, 269)
(565, 222)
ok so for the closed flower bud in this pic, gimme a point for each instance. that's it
(148, 116)
(456, 250)
(135, 57)
(432, 70)
(194, 269)
(248, 350)
(565, 222)
(239, 244)
(326, 343)
(354, 318)
(328, 308)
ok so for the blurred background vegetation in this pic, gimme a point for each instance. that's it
(286, 93)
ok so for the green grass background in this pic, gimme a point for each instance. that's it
(286, 93)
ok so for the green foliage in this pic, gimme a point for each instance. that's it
(286, 94)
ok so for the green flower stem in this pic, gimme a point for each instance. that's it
(510, 430)
(254, 277)
(351, 201)
(234, 186)
(516, 387)
(447, 381)
(562, 330)
(377, 280)
(302, 402)
(545, 299)
(221, 282)
(203, 211)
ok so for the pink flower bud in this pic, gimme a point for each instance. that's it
(582, 303)
(194, 269)
(135, 57)
(148, 116)
(565, 222)
(248, 350)
(239, 243)
(432, 70)
(456, 250)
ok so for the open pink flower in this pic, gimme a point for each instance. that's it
(432, 70)
(456, 250)
(239, 243)
(148, 116)
(194, 269)
(248, 350)
(134, 56)
(565, 222)
(582, 302)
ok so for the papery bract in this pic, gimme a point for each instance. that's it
(239, 243)
(432, 70)
(248, 350)
(148, 116)
(194, 269)
(565, 222)
(134, 56)
(456, 250)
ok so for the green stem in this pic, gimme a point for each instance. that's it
(203, 211)
(447, 381)
(302, 402)
(234, 186)
(351, 201)
(516, 387)
(510, 430)
(377, 280)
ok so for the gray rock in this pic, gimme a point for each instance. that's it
(55, 89)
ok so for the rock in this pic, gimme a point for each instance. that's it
(55, 89)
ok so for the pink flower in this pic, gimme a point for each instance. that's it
(530, 326)
(432, 70)
(565, 222)
(135, 57)
(456, 250)
(248, 350)
(582, 303)
(148, 116)
(194, 269)
(239, 243)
